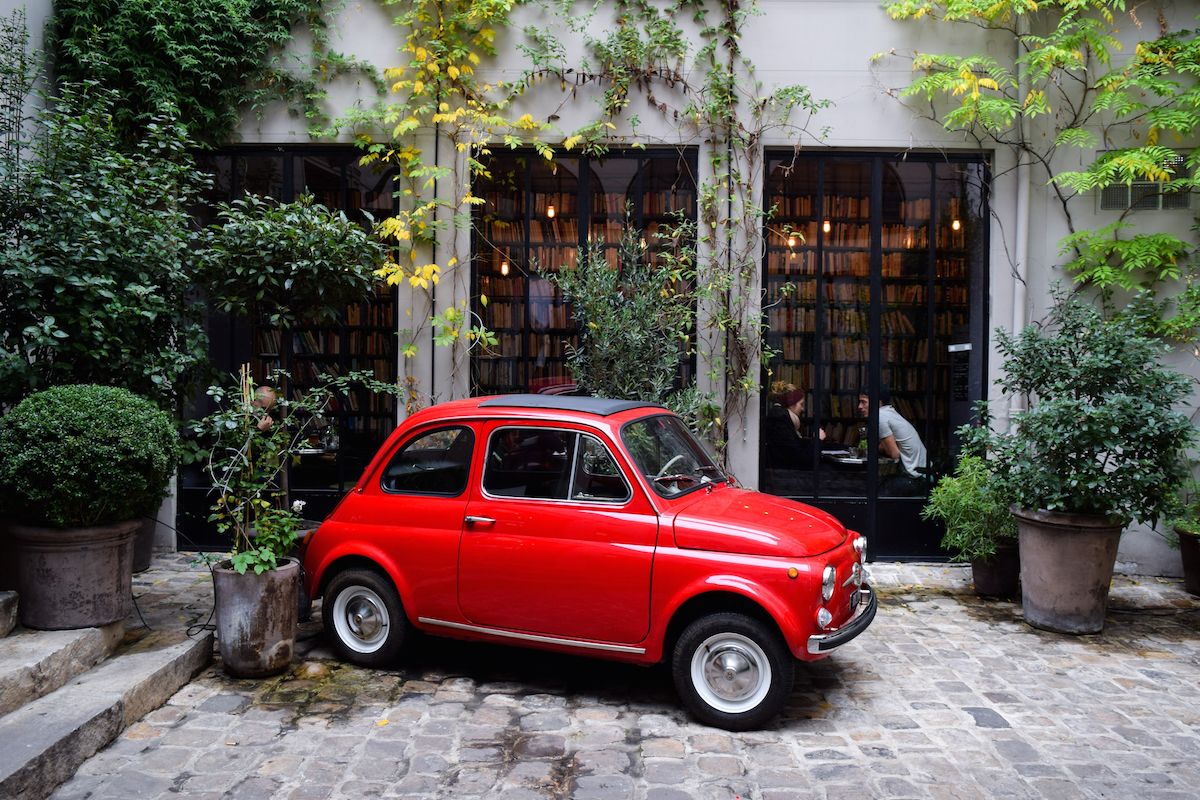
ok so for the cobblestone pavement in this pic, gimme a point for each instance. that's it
(946, 696)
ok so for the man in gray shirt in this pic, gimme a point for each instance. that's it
(898, 439)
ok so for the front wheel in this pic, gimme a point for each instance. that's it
(732, 671)
(363, 618)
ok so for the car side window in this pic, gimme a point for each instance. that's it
(436, 462)
(529, 462)
(597, 476)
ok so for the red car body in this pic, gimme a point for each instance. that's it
(622, 577)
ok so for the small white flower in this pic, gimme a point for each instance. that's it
(297, 506)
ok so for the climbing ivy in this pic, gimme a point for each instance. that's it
(210, 59)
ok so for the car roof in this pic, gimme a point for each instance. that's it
(539, 407)
(601, 406)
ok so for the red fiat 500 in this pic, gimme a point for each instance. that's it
(588, 526)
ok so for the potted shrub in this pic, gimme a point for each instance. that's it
(250, 438)
(81, 464)
(979, 527)
(1101, 444)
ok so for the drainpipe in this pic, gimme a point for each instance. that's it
(437, 138)
(1021, 229)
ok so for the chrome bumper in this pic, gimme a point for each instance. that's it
(867, 606)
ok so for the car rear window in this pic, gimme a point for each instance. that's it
(435, 462)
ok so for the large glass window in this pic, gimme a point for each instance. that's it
(873, 277)
(538, 213)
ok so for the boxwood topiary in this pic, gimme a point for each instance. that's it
(83, 455)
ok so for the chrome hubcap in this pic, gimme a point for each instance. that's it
(361, 619)
(731, 672)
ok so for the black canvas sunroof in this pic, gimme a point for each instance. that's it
(601, 406)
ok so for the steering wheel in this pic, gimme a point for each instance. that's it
(667, 466)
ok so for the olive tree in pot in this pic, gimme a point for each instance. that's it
(81, 464)
(979, 527)
(1100, 444)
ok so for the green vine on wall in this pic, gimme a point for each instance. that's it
(210, 59)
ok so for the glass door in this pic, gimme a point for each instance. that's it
(874, 269)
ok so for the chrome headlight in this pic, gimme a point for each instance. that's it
(828, 581)
(860, 547)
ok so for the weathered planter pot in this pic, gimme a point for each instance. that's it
(1066, 568)
(1189, 552)
(74, 577)
(999, 575)
(256, 618)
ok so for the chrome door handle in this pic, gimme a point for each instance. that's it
(479, 521)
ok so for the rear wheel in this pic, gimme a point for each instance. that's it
(732, 671)
(363, 618)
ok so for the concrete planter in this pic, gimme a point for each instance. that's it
(256, 618)
(1066, 568)
(74, 577)
(1189, 552)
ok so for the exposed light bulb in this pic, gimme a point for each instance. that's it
(792, 255)
(955, 225)
(550, 212)
(825, 226)
(504, 267)
(791, 241)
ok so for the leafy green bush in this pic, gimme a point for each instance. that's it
(81, 455)
(288, 262)
(976, 516)
(95, 281)
(1102, 435)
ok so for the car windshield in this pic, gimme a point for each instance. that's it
(669, 456)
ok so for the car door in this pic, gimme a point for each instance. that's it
(415, 516)
(558, 541)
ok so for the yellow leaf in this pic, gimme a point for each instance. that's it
(381, 723)
(421, 54)
(571, 141)
(452, 71)
(418, 87)
(474, 59)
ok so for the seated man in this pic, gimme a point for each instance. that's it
(898, 439)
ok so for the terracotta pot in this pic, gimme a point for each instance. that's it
(256, 618)
(1066, 568)
(74, 577)
(1189, 552)
(999, 575)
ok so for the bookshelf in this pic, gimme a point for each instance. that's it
(871, 260)
(363, 340)
(537, 214)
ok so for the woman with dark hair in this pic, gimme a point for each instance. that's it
(788, 446)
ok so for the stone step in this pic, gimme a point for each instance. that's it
(8, 612)
(35, 663)
(46, 740)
